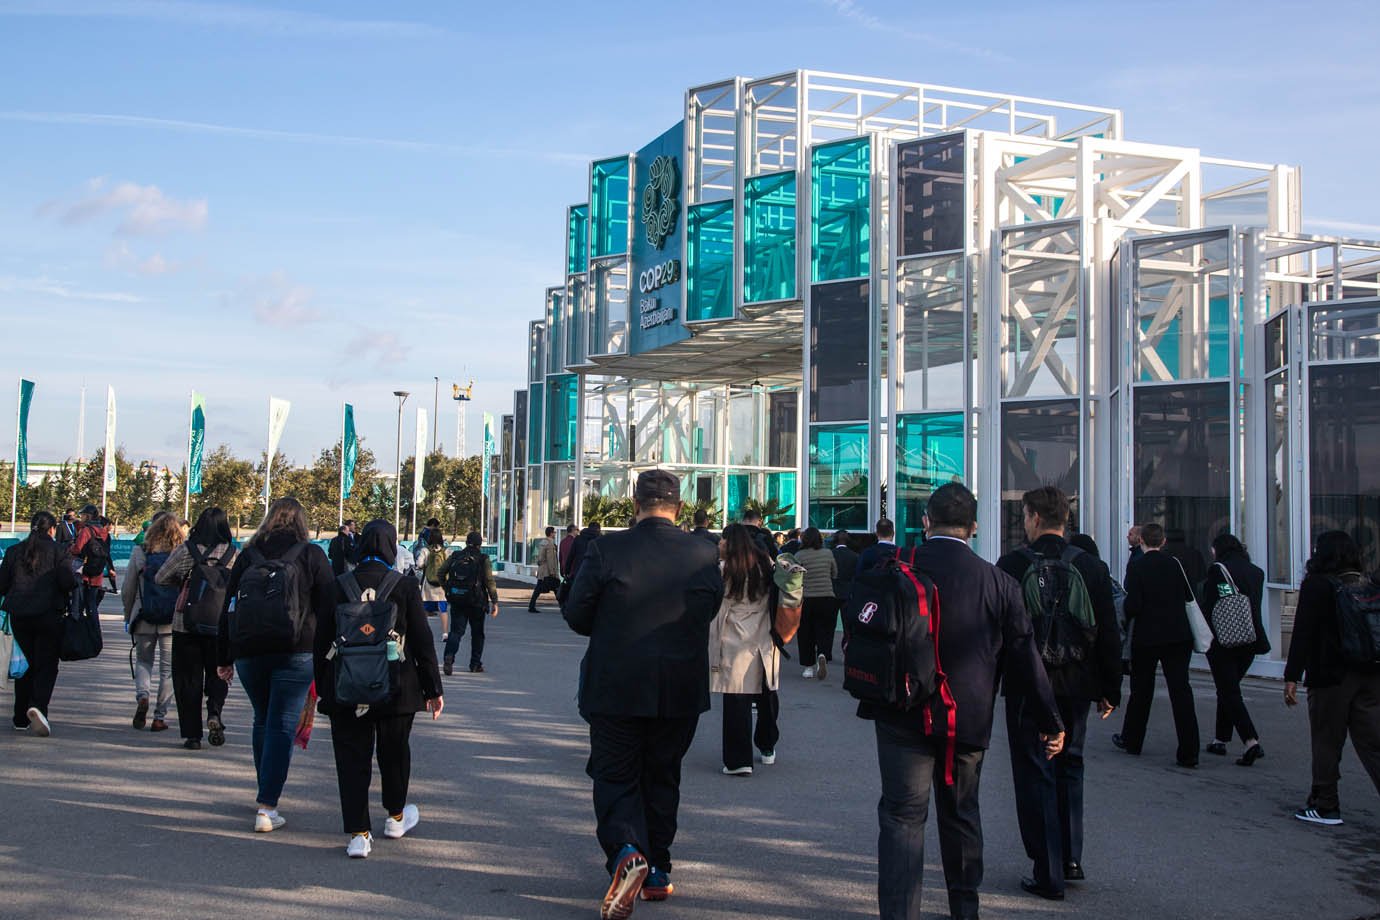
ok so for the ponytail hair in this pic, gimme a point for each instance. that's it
(42, 522)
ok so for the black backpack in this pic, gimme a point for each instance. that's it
(156, 602)
(270, 611)
(365, 673)
(1358, 619)
(1060, 608)
(35, 594)
(95, 555)
(891, 657)
(464, 580)
(205, 593)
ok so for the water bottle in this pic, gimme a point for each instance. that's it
(392, 650)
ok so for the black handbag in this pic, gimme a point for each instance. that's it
(81, 636)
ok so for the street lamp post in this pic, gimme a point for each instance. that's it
(397, 482)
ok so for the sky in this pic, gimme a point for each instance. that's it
(329, 201)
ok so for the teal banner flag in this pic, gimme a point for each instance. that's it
(21, 452)
(349, 455)
(488, 452)
(196, 444)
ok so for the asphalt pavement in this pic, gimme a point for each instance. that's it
(103, 820)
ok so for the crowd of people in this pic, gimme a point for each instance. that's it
(346, 634)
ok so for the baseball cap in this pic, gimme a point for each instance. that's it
(657, 487)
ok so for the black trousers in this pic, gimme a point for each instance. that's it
(635, 765)
(194, 678)
(1229, 667)
(1049, 793)
(550, 584)
(1351, 707)
(356, 741)
(818, 617)
(739, 737)
(911, 763)
(1174, 660)
(40, 639)
(459, 618)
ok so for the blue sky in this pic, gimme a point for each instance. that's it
(326, 202)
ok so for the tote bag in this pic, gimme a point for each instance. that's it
(1202, 633)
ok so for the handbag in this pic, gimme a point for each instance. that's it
(11, 655)
(1233, 621)
(81, 636)
(1202, 633)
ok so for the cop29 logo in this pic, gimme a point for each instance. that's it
(661, 200)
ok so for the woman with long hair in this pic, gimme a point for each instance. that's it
(197, 571)
(744, 663)
(276, 672)
(1231, 574)
(149, 608)
(36, 581)
(820, 613)
(1343, 697)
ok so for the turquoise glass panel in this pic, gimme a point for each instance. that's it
(608, 207)
(838, 477)
(769, 238)
(562, 407)
(534, 423)
(840, 210)
(739, 489)
(781, 489)
(577, 240)
(1170, 349)
(929, 453)
(555, 332)
(709, 261)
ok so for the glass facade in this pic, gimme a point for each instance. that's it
(520, 427)
(1042, 273)
(930, 195)
(1279, 479)
(1182, 310)
(839, 463)
(1344, 453)
(562, 406)
(840, 350)
(782, 437)
(559, 491)
(577, 239)
(934, 326)
(555, 330)
(608, 207)
(575, 341)
(841, 210)
(929, 453)
(769, 262)
(608, 320)
(709, 261)
(535, 416)
(1039, 447)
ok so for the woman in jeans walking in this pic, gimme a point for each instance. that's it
(821, 609)
(276, 681)
(149, 609)
(36, 579)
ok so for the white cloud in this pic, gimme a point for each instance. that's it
(120, 256)
(384, 349)
(276, 300)
(1330, 224)
(143, 209)
(47, 287)
(224, 16)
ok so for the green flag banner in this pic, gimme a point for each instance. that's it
(21, 451)
(196, 444)
(349, 455)
(488, 452)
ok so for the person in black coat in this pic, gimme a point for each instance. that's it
(1157, 589)
(342, 548)
(985, 636)
(579, 547)
(1049, 793)
(645, 598)
(1232, 573)
(36, 580)
(884, 548)
(385, 727)
(702, 528)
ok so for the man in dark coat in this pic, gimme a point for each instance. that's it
(702, 528)
(571, 566)
(341, 549)
(984, 636)
(878, 552)
(752, 520)
(645, 598)
(1049, 793)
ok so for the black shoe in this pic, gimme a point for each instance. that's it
(476, 669)
(1217, 748)
(1073, 872)
(1187, 764)
(1253, 753)
(448, 666)
(192, 744)
(141, 714)
(1119, 741)
(532, 610)
(1029, 886)
(215, 731)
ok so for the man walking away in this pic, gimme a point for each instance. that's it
(1135, 546)
(342, 549)
(984, 635)
(548, 569)
(472, 595)
(567, 542)
(878, 552)
(1064, 588)
(1156, 591)
(578, 547)
(702, 527)
(645, 598)
(752, 520)
(92, 547)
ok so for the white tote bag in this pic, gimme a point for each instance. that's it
(1202, 633)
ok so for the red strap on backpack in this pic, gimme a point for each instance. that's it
(946, 697)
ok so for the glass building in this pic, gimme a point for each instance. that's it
(839, 292)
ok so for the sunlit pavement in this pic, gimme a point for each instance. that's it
(102, 820)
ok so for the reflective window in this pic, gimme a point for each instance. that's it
(520, 429)
(742, 430)
(782, 438)
(555, 328)
(709, 261)
(535, 417)
(608, 207)
(739, 491)
(930, 195)
(838, 477)
(577, 240)
(840, 347)
(1279, 479)
(708, 405)
(562, 404)
(506, 443)
(1277, 342)
(536, 351)
(840, 202)
(1344, 454)
(781, 489)
(559, 494)
(575, 306)
(1344, 333)
(608, 317)
(519, 513)
(934, 318)
(1039, 446)
(676, 425)
(1182, 309)
(769, 238)
(929, 453)
(606, 419)
(1039, 343)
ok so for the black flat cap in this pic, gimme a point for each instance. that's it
(657, 486)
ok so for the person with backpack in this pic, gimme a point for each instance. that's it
(92, 547)
(149, 611)
(820, 613)
(281, 590)
(1068, 595)
(960, 629)
(36, 579)
(375, 670)
(431, 559)
(548, 569)
(1232, 594)
(199, 570)
(1157, 588)
(1335, 652)
(468, 577)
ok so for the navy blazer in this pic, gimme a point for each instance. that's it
(874, 555)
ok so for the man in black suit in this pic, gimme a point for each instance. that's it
(984, 636)
(702, 527)
(883, 549)
(752, 520)
(1049, 793)
(1156, 591)
(579, 547)
(645, 597)
(341, 550)
(1135, 548)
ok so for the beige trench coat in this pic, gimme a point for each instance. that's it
(742, 657)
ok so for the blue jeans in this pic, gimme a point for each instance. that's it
(460, 618)
(277, 689)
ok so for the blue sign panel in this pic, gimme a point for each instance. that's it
(658, 244)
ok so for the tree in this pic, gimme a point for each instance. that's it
(607, 511)
(228, 483)
(450, 492)
(708, 506)
(774, 514)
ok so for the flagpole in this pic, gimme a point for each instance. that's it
(14, 488)
(187, 479)
(341, 522)
(268, 464)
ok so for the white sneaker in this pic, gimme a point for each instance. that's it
(821, 667)
(738, 771)
(360, 846)
(808, 673)
(394, 829)
(768, 758)
(266, 821)
(38, 723)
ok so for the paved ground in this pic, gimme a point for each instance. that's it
(103, 820)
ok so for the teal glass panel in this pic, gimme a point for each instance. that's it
(739, 490)
(929, 453)
(781, 489)
(769, 238)
(709, 261)
(838, 477)
(608, 207)
(577, 240)
(840, 210)
(562, 406)
(555, 332)
(534, 423)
